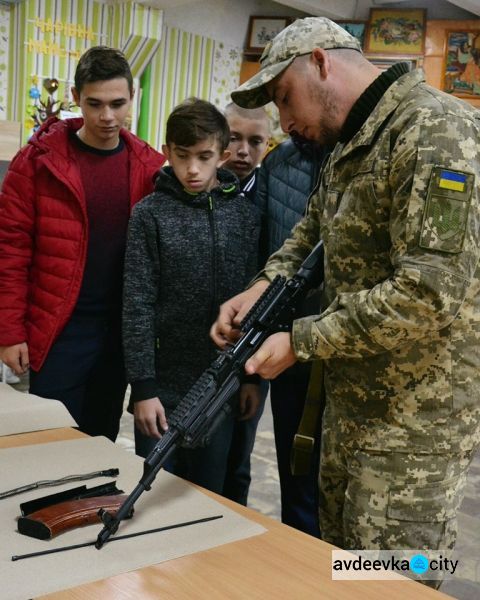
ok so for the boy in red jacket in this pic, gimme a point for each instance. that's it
(64, 209)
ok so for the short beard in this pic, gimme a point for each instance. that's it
(329, 131)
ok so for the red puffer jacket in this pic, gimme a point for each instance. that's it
(44, 233)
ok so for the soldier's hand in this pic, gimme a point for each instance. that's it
(232, 312)
(273, 357)
(150, 417)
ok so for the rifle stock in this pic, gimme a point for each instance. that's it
(202, 407)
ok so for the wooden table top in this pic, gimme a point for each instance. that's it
(282, 563)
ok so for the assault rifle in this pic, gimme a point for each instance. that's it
(208, 401)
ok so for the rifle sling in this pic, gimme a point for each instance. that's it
(304, 440)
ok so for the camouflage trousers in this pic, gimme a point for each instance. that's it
(386, 500)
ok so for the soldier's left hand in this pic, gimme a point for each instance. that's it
(274, 356)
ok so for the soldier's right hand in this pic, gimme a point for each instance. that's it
(16, 357)
(226, 328)
(150, 417)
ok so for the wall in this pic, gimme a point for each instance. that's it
(4, 27)
(206, 38)
(187, 64)
(219, 25)
(435, 47)
(200, 55)
(48, 37)
(224, 20)
(436, 9)
(433, 62)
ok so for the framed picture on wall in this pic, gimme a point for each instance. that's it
(385, 62)
(355, 28)
(262, 30)
(396, 31)
(461, 71)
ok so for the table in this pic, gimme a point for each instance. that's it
(282, 563)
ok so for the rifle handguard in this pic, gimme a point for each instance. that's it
(48, 522)
(265, 299)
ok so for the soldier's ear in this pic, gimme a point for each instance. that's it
(321, 60)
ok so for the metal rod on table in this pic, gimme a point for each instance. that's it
(113, 539)
(51, 482)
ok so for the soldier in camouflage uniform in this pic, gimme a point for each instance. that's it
(398, 211)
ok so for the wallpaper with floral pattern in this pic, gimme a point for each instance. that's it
(226, 72)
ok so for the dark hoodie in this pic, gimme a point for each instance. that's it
(186, 255)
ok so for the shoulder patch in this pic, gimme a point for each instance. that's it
(446, 210)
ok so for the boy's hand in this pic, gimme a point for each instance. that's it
(150, 417)
(15, 357)
(249, 401)
(232, 312)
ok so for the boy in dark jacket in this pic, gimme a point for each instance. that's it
(191, 245)
(249, 136)
(285, 180)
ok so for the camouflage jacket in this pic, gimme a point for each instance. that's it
(398, 210)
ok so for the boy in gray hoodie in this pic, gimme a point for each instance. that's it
(192, 244)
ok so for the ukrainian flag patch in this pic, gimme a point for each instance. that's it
(452, 180)
(447, 206)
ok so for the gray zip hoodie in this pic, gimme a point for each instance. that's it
(186, 255)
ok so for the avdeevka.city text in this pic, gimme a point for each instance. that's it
(392, 564)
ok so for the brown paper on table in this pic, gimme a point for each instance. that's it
(21, 412)
(171, 500)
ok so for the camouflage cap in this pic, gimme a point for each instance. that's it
(301, 37)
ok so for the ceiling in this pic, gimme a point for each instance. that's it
(347, 9)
